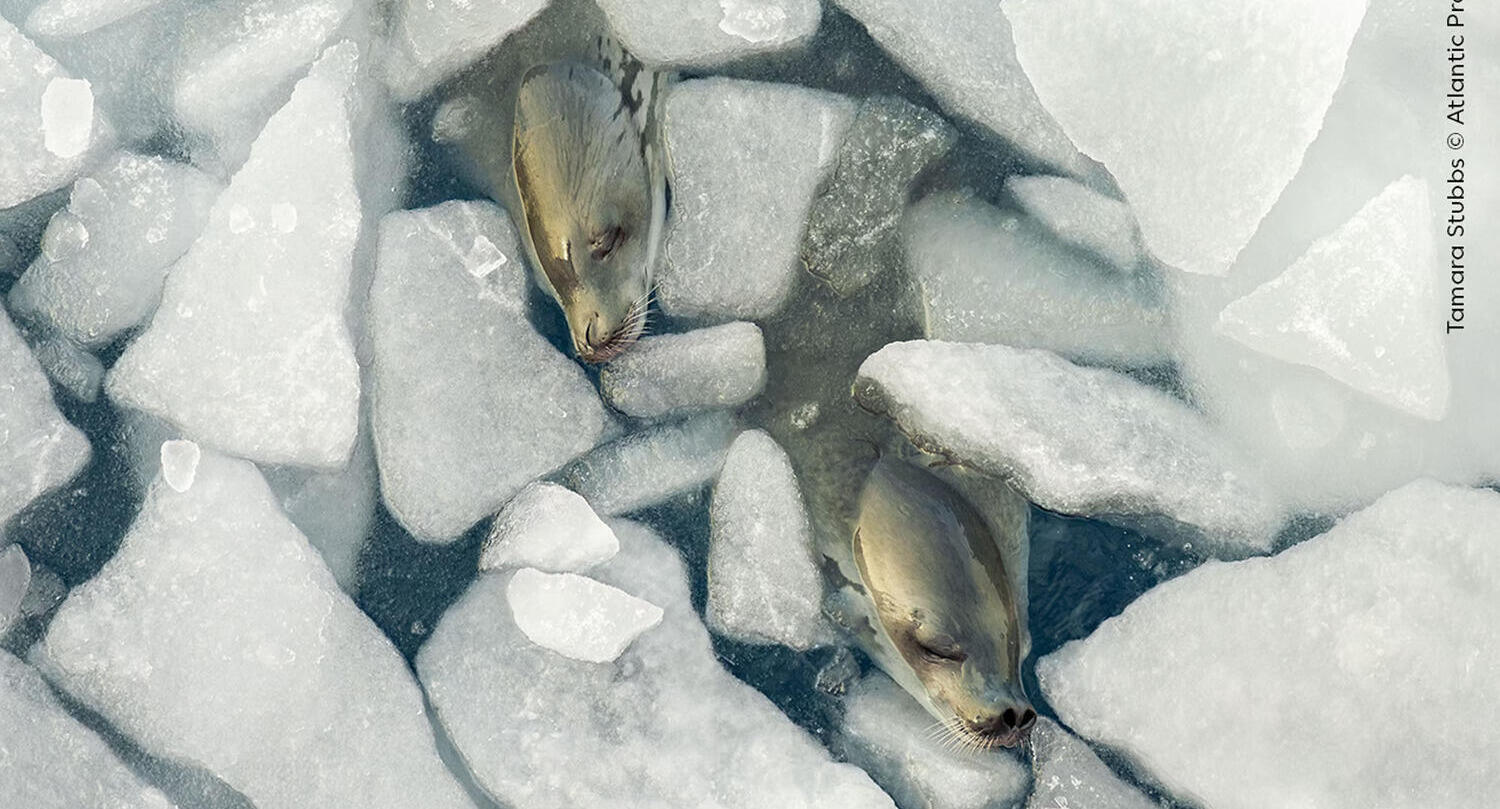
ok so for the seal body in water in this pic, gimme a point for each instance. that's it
(562, 126)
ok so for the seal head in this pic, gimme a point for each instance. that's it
(945, 611)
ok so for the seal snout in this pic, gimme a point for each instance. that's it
(1005, 725)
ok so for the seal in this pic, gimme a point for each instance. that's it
(563, 127)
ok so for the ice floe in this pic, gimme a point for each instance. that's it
(715, 367)
(550, 528)
(651, 466)
(39, 449)
(434, 39)
(1081, 216)
(703, 33)
(1067, 774)
(576, 616)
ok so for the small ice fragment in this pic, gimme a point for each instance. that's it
(548, 527)
(717, 367)
(284, 217)
(65, 236)
(179, 463)
(67, 116)
(752, 20)
(576, 616)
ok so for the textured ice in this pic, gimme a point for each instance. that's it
(434, 39)
(73, 369)
(720, 366)
(333, 509)
(1358, 305)
(15, 580)
(238, 61)
(550, 528)
(576, 616)
(39, 449)
(217, 636)
(1068, 774)
(1073, 440)
(965, 56)
(1352, 670)
(52, 130)
(470, 403)
(764, 585)
(248, 352)
(51, 760)
(1189, 106)
(662, 726)
(654, 465)
(993, 276)
(710, 32)
(747, 158)
(69, 18)
(854, 217)
(104, 257)
(888, 734)
(1081, 216)
(179, 463)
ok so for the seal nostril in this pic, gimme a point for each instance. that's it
(1028, 718)
(1009, 717)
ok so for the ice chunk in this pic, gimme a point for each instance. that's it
(888, 734)
(1068, 774)
(720, 366)
(47, 590)
(74, 370)
(69, 18)
(179, 463)
(854, 218)
(1357, 305)
(746, 157)
(469, 402)
(1321, 639)
(763, 580)
(434, 39)
(106, 255)
(662, 726)
(1191, 108)
(248, 352)
(1074, 440)
(548, 527)
(333, 509)
(992, 276)
(576, 616)
(703, 33)
(652, 466)
(15, 580)
(39, 449)
(237, 64)
(51, 760)
(52, 131)
(1082, 217)
(965, 56)
(217, 636)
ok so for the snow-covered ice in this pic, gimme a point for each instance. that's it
(69, 18)
(993, 276)
(662, 726)
(1074, 440)
(53, 132)
(704, 33)
(15, 580)
(1358, 305)
(576, 616)
(470, 403)
(39, 449)
(886, 732)
(550, 528)
(217, 636)
(51, 760)
(104, 257)
(434, 39)
(965, 57)
(854, 217)
(1352, 670)
(1190, 107)
(1081, 216)
(653, 465)
(248, 352)
(1068, 775)
(668, 374)
(764, 585)
(747, 158)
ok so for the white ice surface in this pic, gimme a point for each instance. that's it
(1074, 440)
(662, 726)
(1068, 775)
(69, 18)
(1081, 216)
(548, 527)
(1201, 111)
(248, 352)
(991, 276)
(469, 402)
(764, 585)
(746, 157)
(104, 257)
(661, 375)
(653, 465)
(709, 32)
(1352, 670)
(15, 580)
(434, 39)
(39, 449)
(576, 616)
(216, 635)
